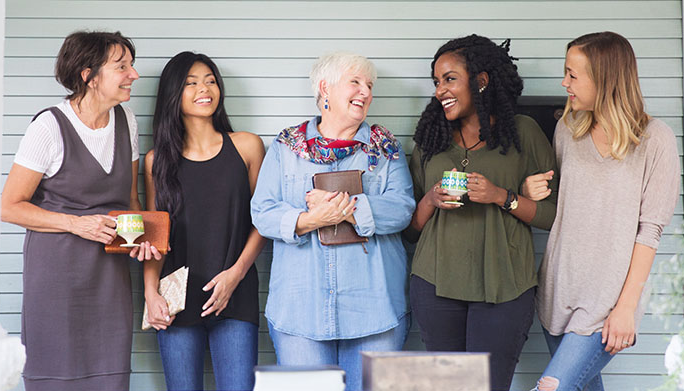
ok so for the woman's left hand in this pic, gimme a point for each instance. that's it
(482, 191)
(618, 330)
(145, 252)
(224, 285)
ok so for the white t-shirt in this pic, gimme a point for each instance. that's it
(42, 148)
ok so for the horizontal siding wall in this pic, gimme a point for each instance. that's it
(265, 51)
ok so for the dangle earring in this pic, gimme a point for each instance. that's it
(325, 106)
(481, 90)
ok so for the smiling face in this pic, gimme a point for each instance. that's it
(201, 93)
(452, 88)
(114, 79)
(350, 98)
(578, 82)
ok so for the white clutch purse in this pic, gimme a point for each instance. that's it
(173, 288)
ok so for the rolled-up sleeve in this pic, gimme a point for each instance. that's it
(660, 186)
(390, 211)
(273, 217)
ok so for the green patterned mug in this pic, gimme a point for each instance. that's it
(455, 183)
(130, 227)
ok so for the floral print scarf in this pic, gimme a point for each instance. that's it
(323, 150)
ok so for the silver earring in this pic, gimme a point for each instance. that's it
(481, 90)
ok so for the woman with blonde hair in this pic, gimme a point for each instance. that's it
(618, 189)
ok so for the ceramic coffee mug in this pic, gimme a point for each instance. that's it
(130, 227)
(455, 183)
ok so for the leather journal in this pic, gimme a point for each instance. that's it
(343, 181)
(173, 288)
(157, 230)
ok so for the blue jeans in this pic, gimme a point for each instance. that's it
(576, 361)
(294, 350)
(233, 347)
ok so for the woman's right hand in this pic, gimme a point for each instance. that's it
(536, 187)
(317, 196)
(334, 208)
(145, 252)
(98, 228)
(438, 197)
(158, 311)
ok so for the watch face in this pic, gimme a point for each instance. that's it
(514, 204)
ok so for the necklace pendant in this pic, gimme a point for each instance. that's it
(465, 162)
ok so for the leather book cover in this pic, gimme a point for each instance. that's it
(157, 230)
(343, 181)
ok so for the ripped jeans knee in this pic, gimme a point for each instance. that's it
(547, 383)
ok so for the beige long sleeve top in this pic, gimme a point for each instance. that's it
(605, 206)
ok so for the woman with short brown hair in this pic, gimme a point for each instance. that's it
(78, 161)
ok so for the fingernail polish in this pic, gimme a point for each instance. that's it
(353, 209)
(356, 198)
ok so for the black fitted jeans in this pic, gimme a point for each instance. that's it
(466, 326)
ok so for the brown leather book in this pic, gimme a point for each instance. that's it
(157, 230)
(343, 181)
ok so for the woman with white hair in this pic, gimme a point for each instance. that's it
(326, 304)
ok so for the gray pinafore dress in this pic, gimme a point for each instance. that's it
(77, 306)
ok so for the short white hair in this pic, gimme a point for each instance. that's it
(330, 67)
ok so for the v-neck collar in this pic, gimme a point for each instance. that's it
(112, 121)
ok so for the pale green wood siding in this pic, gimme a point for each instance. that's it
(265, 50)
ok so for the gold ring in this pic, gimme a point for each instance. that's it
(625, 343)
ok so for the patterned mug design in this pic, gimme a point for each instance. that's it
(455, 182)
(130, 227)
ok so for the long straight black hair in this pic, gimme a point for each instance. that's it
(169, 130)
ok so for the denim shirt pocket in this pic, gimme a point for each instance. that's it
(371, 184)
(295, 188)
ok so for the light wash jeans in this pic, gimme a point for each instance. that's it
(233, 347)
(576, 361)
(346, 353)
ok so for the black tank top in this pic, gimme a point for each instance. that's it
(210, 230)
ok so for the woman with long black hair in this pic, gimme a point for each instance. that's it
(473, 278)
(203, 173)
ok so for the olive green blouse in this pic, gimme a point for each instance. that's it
(479, 252)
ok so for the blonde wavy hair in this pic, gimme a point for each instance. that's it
(619, 106)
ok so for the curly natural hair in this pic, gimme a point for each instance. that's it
(434, 132)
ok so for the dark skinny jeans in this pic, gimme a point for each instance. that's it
(465, 326)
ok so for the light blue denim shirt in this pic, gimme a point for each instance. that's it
(334, 292)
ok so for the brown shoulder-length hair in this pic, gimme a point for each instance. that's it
(619, 106)
(86, 49)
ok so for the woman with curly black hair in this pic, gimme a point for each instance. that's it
(473, 279)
